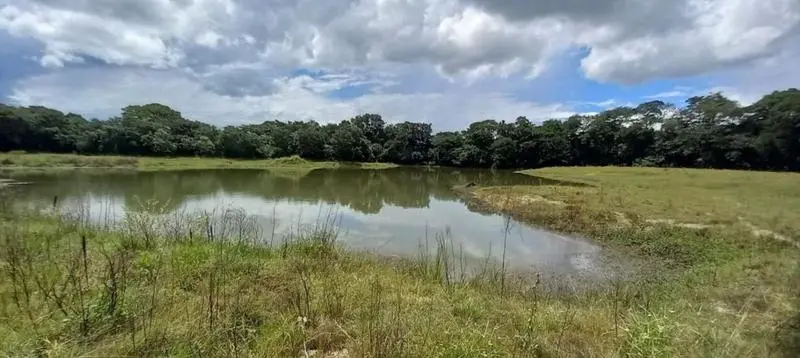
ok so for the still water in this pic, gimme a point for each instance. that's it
(386, 211)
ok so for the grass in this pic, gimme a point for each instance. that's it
(17, 160)
(765, 199)
(765, 204)
(719, 235)
(71, 290)
(172, 285)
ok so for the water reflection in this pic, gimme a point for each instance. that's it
(391, 211)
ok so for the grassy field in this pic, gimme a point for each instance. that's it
(66, 161)
(191, 286)
(739, 229)
(761, 202)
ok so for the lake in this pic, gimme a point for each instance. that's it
(391, 212)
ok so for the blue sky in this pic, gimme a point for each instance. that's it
(447, 62)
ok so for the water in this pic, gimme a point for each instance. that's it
(389, 211)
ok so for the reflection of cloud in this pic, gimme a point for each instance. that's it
(393, 230)
(397, 226)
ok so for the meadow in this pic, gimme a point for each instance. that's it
(724, 242)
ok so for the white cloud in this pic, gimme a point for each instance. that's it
(102, 92)
(148, 32)
(748, 85)
(667, 94)
(629, 41)
(209, 39)
(720, 33)
(234, 55)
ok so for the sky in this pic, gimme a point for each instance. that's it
(445, 62)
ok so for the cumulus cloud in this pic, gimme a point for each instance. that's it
(149, 33)
(720, 33)
(240, 50)
(629, 40)
(101, 93)
(747, 85)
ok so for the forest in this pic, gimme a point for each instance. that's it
(709, 131)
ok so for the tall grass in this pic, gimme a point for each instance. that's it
(211, 284)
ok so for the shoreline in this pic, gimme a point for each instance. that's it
(25, 161)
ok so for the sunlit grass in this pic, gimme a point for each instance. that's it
(765, 199)
(293, 164)
(722, 234)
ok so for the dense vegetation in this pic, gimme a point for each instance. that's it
(709, 131)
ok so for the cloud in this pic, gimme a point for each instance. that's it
(748, 85)
(159, 33)
(633, 41)
(720, 33)
(102, 92)
(629, 41)
(675, 93)
(243, 53)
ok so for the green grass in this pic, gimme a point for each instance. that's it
(68, 290)
(14, 160)
(713, 199)
(171, 286)
(737, 229)
(765, 199)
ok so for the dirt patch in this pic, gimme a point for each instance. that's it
(764, 233)
(344, 353)
(671, 222)
(622, 220)
(505, 202)
(754, 230)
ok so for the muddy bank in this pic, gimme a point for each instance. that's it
(602, 270)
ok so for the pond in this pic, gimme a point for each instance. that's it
(393, 212)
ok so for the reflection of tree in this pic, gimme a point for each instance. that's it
(366, 191)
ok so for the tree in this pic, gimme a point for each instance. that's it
(504, 152)
(309, 141)
(372, 126)
(444, 148)
(14, 130)
(408, 142)
(777, 115)
(709, 131)
(348, 143)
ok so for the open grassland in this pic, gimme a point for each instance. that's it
(67, 161)
(737, 229)
(759, 202)
(171, 285)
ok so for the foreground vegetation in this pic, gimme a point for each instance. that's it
(214, 285)
(21, 160)
(708, 132)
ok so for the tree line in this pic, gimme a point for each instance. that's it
(709, 131)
